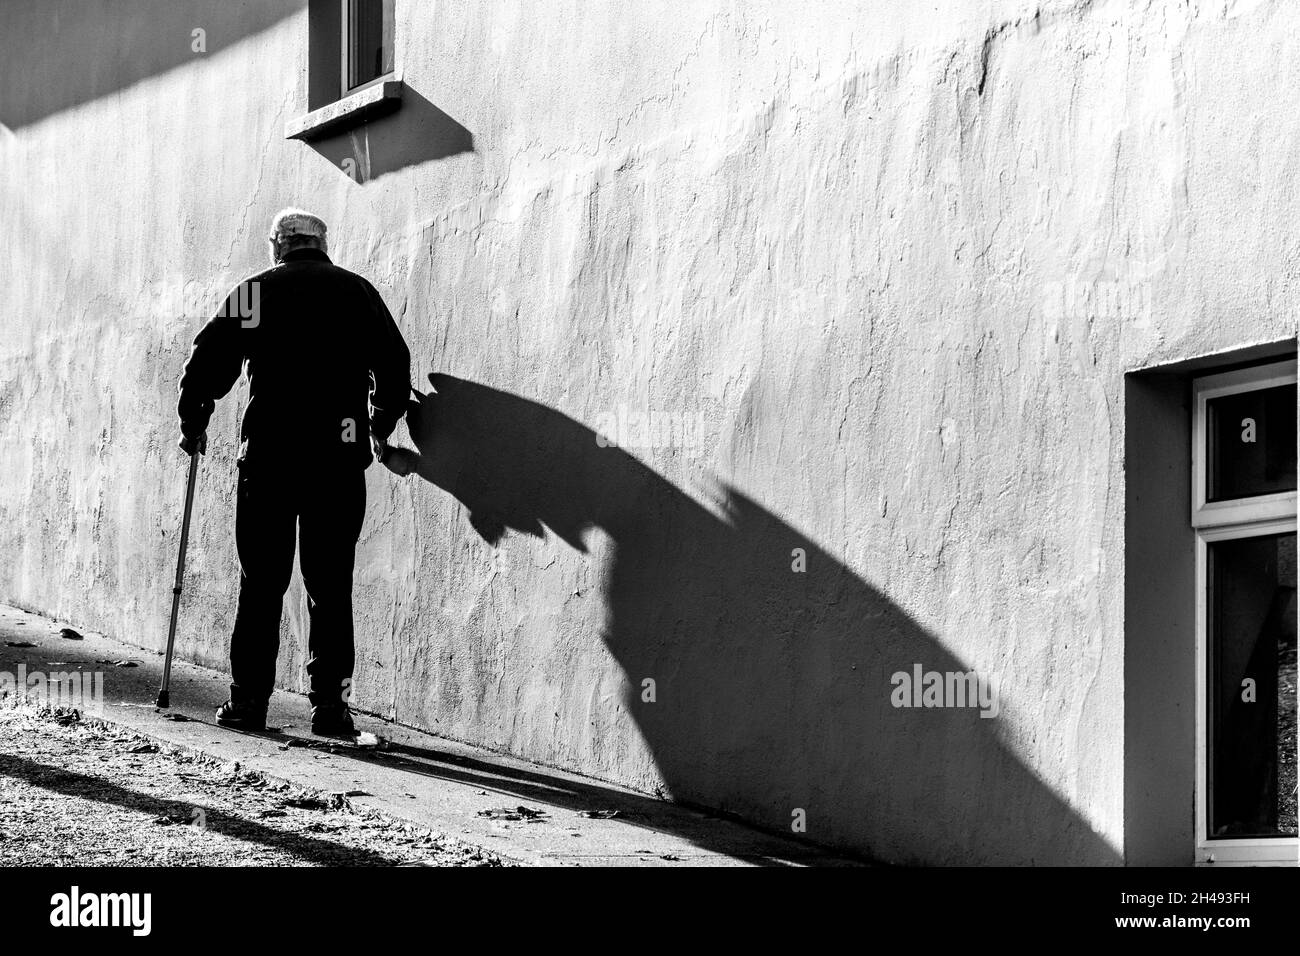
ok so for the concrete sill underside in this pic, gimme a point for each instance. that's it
(352, 110)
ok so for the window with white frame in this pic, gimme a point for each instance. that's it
(367, 34)
(1244, 516)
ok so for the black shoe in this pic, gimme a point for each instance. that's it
(242, 716)
(332, 720)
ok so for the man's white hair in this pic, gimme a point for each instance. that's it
(297, 223)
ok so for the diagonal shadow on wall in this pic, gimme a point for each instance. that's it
(773, 687)
(56, 54)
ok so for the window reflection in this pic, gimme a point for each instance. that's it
(1252, 621)
(1251, 443)
(370, 40)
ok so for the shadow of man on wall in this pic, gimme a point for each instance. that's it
(772, 687)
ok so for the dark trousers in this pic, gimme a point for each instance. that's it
(327, 509)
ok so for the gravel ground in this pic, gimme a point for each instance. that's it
(79, 792)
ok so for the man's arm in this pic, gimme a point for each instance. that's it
(390, 367)
(213, 367)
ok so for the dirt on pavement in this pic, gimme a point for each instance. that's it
(81, 792)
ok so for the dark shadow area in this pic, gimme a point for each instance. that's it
(56, 54)
(415, 133)
(1159, 623)
(84, 787)
(773, 687)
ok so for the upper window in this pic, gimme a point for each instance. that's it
(1244, 512)
(351, 67)
(1244, 449)
(367, 42)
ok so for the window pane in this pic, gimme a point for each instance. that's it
(1251, 440)
(370, 40)
(1252, 699)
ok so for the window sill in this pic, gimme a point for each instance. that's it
(359, 106)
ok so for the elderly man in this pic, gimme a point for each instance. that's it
(328, 380)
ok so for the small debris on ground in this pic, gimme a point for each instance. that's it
(312, 802)
(515, 814)
(601, 814)
(68, 634)
(19, 644)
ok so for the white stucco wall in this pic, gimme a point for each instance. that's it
(851, 237)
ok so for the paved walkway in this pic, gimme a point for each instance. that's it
(520, 811)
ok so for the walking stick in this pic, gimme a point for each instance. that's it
(164, 698)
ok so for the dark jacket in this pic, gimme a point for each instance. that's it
(320, 346)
